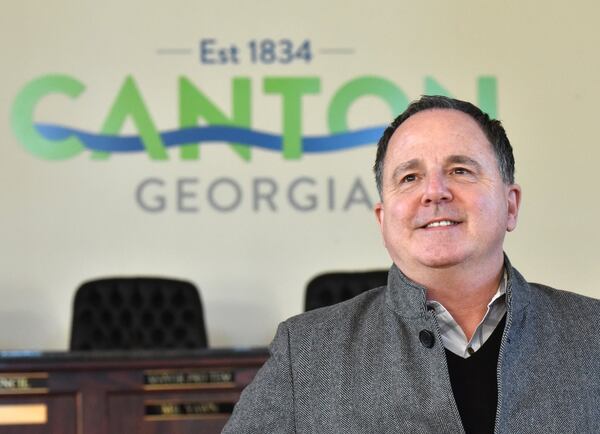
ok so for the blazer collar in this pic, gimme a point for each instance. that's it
(408, 299)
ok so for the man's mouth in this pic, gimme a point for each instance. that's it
(441, 223)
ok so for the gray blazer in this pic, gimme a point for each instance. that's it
(359, 367)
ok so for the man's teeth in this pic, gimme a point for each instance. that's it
(440, 223)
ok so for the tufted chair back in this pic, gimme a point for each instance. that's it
(126, 313)
(330, 288)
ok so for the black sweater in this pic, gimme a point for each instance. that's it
(474, 384)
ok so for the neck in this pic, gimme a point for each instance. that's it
(464, 292)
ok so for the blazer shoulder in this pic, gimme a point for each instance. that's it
(561, 303)
(361, 306)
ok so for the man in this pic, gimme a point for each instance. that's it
(457, 341)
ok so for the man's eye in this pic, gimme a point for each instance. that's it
(409, 178)
(460, 171)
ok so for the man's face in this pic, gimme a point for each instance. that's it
(443, 199)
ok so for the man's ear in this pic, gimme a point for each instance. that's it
(379, 213)
(514, 202)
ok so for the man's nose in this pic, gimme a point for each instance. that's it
(436, 190)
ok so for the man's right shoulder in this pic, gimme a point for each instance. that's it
(312, 354)
(348, 316)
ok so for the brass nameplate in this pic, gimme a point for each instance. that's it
(162, 410)
(23, 414)
(189, 379)
(23, 382)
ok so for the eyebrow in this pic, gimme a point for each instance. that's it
(405, 166)
(463, 159)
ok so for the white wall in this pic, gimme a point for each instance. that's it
(66, 221)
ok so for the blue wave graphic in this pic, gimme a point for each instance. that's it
(214, 133)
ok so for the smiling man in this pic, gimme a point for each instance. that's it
(458, 341)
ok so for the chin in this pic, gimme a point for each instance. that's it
(440, 264)
(441, 259)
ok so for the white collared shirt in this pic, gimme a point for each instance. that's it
(454, 339)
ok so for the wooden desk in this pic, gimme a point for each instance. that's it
(122, 392)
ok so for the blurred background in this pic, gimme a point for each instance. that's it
(251, 224)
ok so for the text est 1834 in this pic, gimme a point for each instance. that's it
(256, 51)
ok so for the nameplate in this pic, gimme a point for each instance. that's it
(169, 410)
(188, 379)
(36, 382)
(23, 414)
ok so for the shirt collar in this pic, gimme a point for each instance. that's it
(454, 339)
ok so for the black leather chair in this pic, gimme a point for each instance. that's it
(127, 313)
(330, 288)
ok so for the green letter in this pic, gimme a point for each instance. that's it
(129, 102)
(291, 90)
(432, 87)
(486, 93)
(193, 104)
(22, 117)
(359, 87)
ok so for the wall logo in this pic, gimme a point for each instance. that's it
(59, 142)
